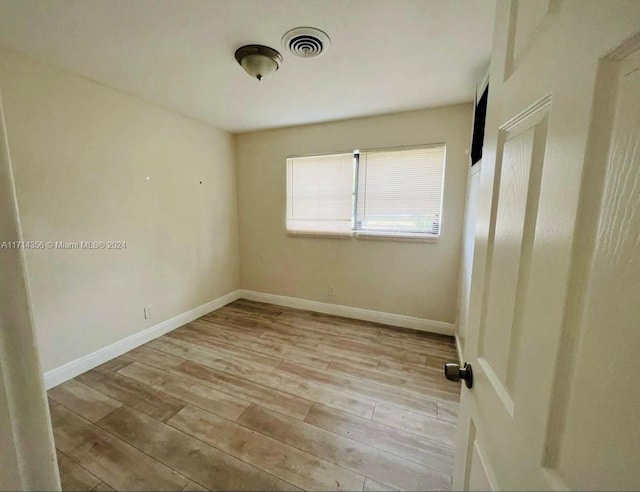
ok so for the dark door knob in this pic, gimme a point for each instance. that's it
(453, 372)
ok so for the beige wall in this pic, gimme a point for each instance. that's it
(414, 279)
(81, 153)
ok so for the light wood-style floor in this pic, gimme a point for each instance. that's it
(259, 397)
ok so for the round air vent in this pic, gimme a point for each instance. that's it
(306, 42)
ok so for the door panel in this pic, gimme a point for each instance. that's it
(606, 320)
(522, 143)
(528, 20)
(478, 475)
(552, 328)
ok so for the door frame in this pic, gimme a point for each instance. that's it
(28, 459)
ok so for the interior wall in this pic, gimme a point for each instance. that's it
(409, 278)
(94, 164)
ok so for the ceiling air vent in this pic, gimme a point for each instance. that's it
(306, 42)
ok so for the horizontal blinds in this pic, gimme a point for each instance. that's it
(400, 191)
(320, 194)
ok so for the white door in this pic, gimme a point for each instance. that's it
(554, 323)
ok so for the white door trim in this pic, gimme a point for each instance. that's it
(28, 460)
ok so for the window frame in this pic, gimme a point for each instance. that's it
(364, 234)
(314, 234)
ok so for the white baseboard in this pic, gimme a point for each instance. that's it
(350, 312)
(72, 369)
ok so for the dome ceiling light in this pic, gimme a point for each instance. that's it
(258, 60)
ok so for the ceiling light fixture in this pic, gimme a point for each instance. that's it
(258, 60)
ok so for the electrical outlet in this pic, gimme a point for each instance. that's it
(331, 291)
(147, 312)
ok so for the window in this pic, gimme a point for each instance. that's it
(320, 194)
(391, 192)
(400, 192)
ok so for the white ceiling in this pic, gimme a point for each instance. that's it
(385, 56)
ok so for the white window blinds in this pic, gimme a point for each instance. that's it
(399, 192)
(320, 194)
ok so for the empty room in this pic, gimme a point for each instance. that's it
(360, 245)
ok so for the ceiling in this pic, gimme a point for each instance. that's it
(385, 55)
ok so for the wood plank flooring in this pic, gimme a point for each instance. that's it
(260, 397)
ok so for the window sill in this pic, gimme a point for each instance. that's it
(367, 236)
(397, 237)
(320, 235)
